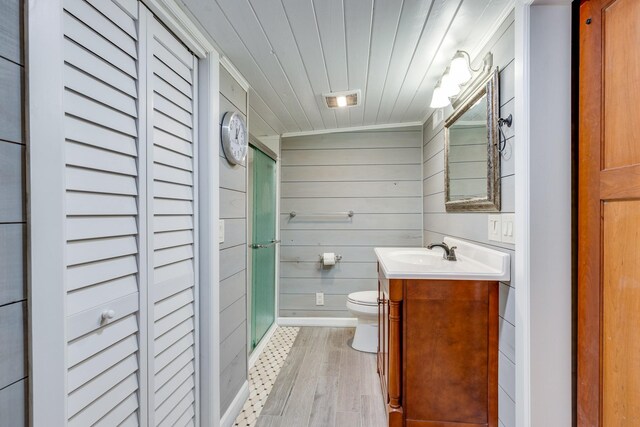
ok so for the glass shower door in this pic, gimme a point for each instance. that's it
(263, 247)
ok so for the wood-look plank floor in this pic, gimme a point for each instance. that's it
(325, 383)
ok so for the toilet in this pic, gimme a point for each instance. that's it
(364, 306)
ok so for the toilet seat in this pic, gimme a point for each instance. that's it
(367, 298)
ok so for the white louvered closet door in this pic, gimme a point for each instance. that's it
(171, 213)
(102, 197)
(129, 104)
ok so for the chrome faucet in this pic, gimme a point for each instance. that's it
(449, 252)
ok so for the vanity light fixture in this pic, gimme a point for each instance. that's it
(450, 86)
(458, 74)
(440, 98)
(461, 67)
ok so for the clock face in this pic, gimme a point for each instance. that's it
(234, 137)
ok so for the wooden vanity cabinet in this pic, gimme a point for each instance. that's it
(438, 352)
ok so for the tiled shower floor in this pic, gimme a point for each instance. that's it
(264, 374)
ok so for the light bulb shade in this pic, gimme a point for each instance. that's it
(342, 101)
(459, 70)
(439, 98)
(449, 85)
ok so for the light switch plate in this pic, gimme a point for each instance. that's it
(508, 228)
(319, 298)
(494, 226)
(221, 230)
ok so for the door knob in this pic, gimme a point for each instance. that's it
(107, 315)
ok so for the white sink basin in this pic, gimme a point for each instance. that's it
(415, 256)
(474, 262)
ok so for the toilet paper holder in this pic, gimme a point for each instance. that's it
(338, 258)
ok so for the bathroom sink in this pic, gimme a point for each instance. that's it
(474, 262)
(416, 256)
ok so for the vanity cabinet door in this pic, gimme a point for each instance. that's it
(451, 346)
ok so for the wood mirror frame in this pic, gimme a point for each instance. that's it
(491, 202)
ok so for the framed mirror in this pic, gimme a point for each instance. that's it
(472, 157)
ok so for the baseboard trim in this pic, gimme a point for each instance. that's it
(335, 322)
(229, 417)
(255, 354)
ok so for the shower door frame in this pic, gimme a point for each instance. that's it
(254, 352)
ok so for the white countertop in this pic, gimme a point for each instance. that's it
(474, 262)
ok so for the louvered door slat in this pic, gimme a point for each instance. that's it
(92, 157)
(125, 414)
(85, 60)
(161, 70)
(102, 199)
(172, 143)
(94, 181)
(183, 375)
(82, 252)
(170, 362)
(79, 228)
(82, 33)
(81, 82)
(84, 372)
(179, 408)
(87, 298)
(170, 55)
(78, 130)
(104, 404)
(98, 386)
(116, 15)
(85, 12)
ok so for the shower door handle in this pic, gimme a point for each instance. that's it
(262, 246)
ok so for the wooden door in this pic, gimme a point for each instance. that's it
(609, 214)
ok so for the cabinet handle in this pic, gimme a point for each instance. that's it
(107, 315)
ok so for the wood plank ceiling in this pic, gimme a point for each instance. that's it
(293, 51)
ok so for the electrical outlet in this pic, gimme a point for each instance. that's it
(495, 228)
(221, 230)
(508, 228)
(319, 298)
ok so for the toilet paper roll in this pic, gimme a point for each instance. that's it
(328, 258)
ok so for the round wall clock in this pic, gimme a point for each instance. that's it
(234, 137)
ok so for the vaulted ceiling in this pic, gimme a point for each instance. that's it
(293, 51)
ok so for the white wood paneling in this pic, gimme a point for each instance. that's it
(11, 108)
(291, 52)
(12, 179)
(338, 173)
(13, 352)
(11, 27)
(233, 251)
(12, 263)
(14, 403)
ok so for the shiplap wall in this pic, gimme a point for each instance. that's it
(233, 256)
(374, 173)
(13, 296)
(473, 226)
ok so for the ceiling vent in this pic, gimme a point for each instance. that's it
(349, 98)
